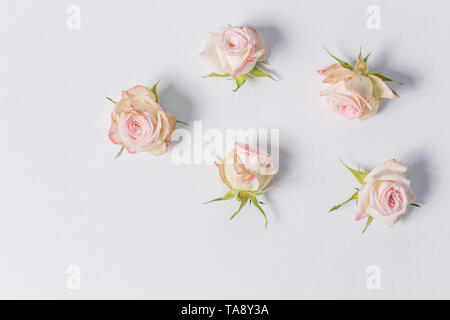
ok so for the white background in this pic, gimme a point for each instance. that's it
(137, 227)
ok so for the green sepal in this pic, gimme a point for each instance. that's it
(368, 222)
(243, 198)
(111, 100)
(240, 80)
(341, 62)
(258, 72)
(264, 191)
(384, 78)
(119, 153)
(395, 93)
(415, 205)
(360, 64)
(228, 196)
(359, 175)
(153, 89)
(367, 57)
(256, 203)
(353, 197)
(217, 75)
(182, 122)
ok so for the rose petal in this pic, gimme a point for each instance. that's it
(380, 88)
(214, 57)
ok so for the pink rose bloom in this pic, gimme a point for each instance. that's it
(234, 50)
(386, 193)
(246, 169)
(355, 94)
(139, 124)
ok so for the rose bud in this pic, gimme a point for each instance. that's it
(355, 93)
(235, 52)
(385, 193)
(246, 172)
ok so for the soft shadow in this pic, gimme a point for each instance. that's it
(383, 104)
(419, 175)
(284, 173)
(176, 102)
(384, 64)
(283, 177)
(275, 42)
(273, 37)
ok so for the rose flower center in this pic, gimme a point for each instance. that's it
(139, 129)
(233, 41)
(392, 200)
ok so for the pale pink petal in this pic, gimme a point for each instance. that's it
(260, 44)
(114, 134)
(390, 165)
(380, 88)
(364, 199)
(361, 85)
(249, 64)
(334, 73)
(214, 57)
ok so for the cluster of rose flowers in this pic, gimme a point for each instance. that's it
(139, 124)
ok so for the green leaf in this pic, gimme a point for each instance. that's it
(258, 72)
(384, 78)
(217, 75)
(415, 205)
(369, 221)
(244, 199)
(359, 175)
(240, 80)
(264, 191)
(119, 153)
(256, 203)
(228, 196)
(111, 100)
(341, 62)
(182, 122)
(353, 197)
(153, 89)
